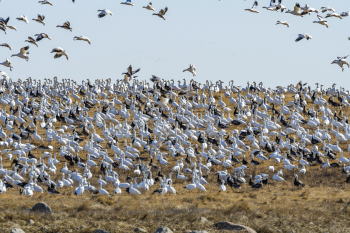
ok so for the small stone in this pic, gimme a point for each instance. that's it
(163, 230)
(43, 228)
(30, 222)
(17, 230)
(41, 207)
(233, 227)
(139, 229)
(100, 231)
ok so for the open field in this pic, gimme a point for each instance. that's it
(321, 206)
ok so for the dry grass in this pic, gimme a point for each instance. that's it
(322, 206)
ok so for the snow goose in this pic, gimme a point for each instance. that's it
(104, 13)
(32, 41)
(40, 19)
(324, 9)
(7, 63)
(103, 191)
(66, 26)
(42, 36)
(334, 15)
(128, 2)
(23, 18)
(345, 14)
(296, 10)
(6, 45)
(253, 9)
(130, 73)
(84, 38)
(302, 36)
(149, 6)
(321, 21)
(161, 13)
(191, 69)
(117, 190)
(133, 190)
(59, 52)
(45, 2)
(272, 6)
(80, 190)
(283, 22)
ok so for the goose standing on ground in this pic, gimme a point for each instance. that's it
(22, 53)
(23, 18)
(40, 19)
(321, 21)
(84, 38)
(296, 10)
(45, 2)
(59, 52)
(6, 45)
(161, 13)
(128, 2)
(283, 22)
(32, 41)
(149, 7)
(66, 26)
(7, 63)
(42, 36)
(191, 69)
(104, 13)
(302, 36)
(254, 8)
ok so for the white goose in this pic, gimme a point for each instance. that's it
(23, 18)
(7, 63)
(59, 52)
(191, 69)
(84, 38)
(283, 22)
(23, 53)
(254, 8)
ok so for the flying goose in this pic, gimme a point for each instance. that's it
(345, 14)
(45, 2)
(84, 38)
(40, 19)
(6, 45)
(22, 53)
(23, 18)
(296, 10)
(31, 40)
(334, 15)
(341, 62)
(149, 7)
(321, 21)
(324, 9)
(272, 6)
(161, 13)
(66, 26)
(7, 63)
(130, 72)
(128, 2)
(253, 9)
(104, 13)
(283, 22)
(302, 36)
(280, 6)
(59, 52)
(191, 69)
(42, 36)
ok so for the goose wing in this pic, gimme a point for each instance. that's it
(41, 17)
(66, 24)
(320, 18)
(255, 5)
(135, 71)
(297, 8)
(300, 37)
(272, 3)
(57, 49)
(31, 39)
(130, 70)
(23, 50)
(150, 3)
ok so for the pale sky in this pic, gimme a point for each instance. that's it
(221, 39)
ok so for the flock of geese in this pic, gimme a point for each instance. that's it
(301, 11)
(135, 136)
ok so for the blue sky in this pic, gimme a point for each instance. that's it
(221, 39)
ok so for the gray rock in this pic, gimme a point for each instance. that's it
(30, 222)
(41, 207)
(17, 230)
(100, 231)
(163, 230)
(43, 228)
(139, 229)
(233, 227)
